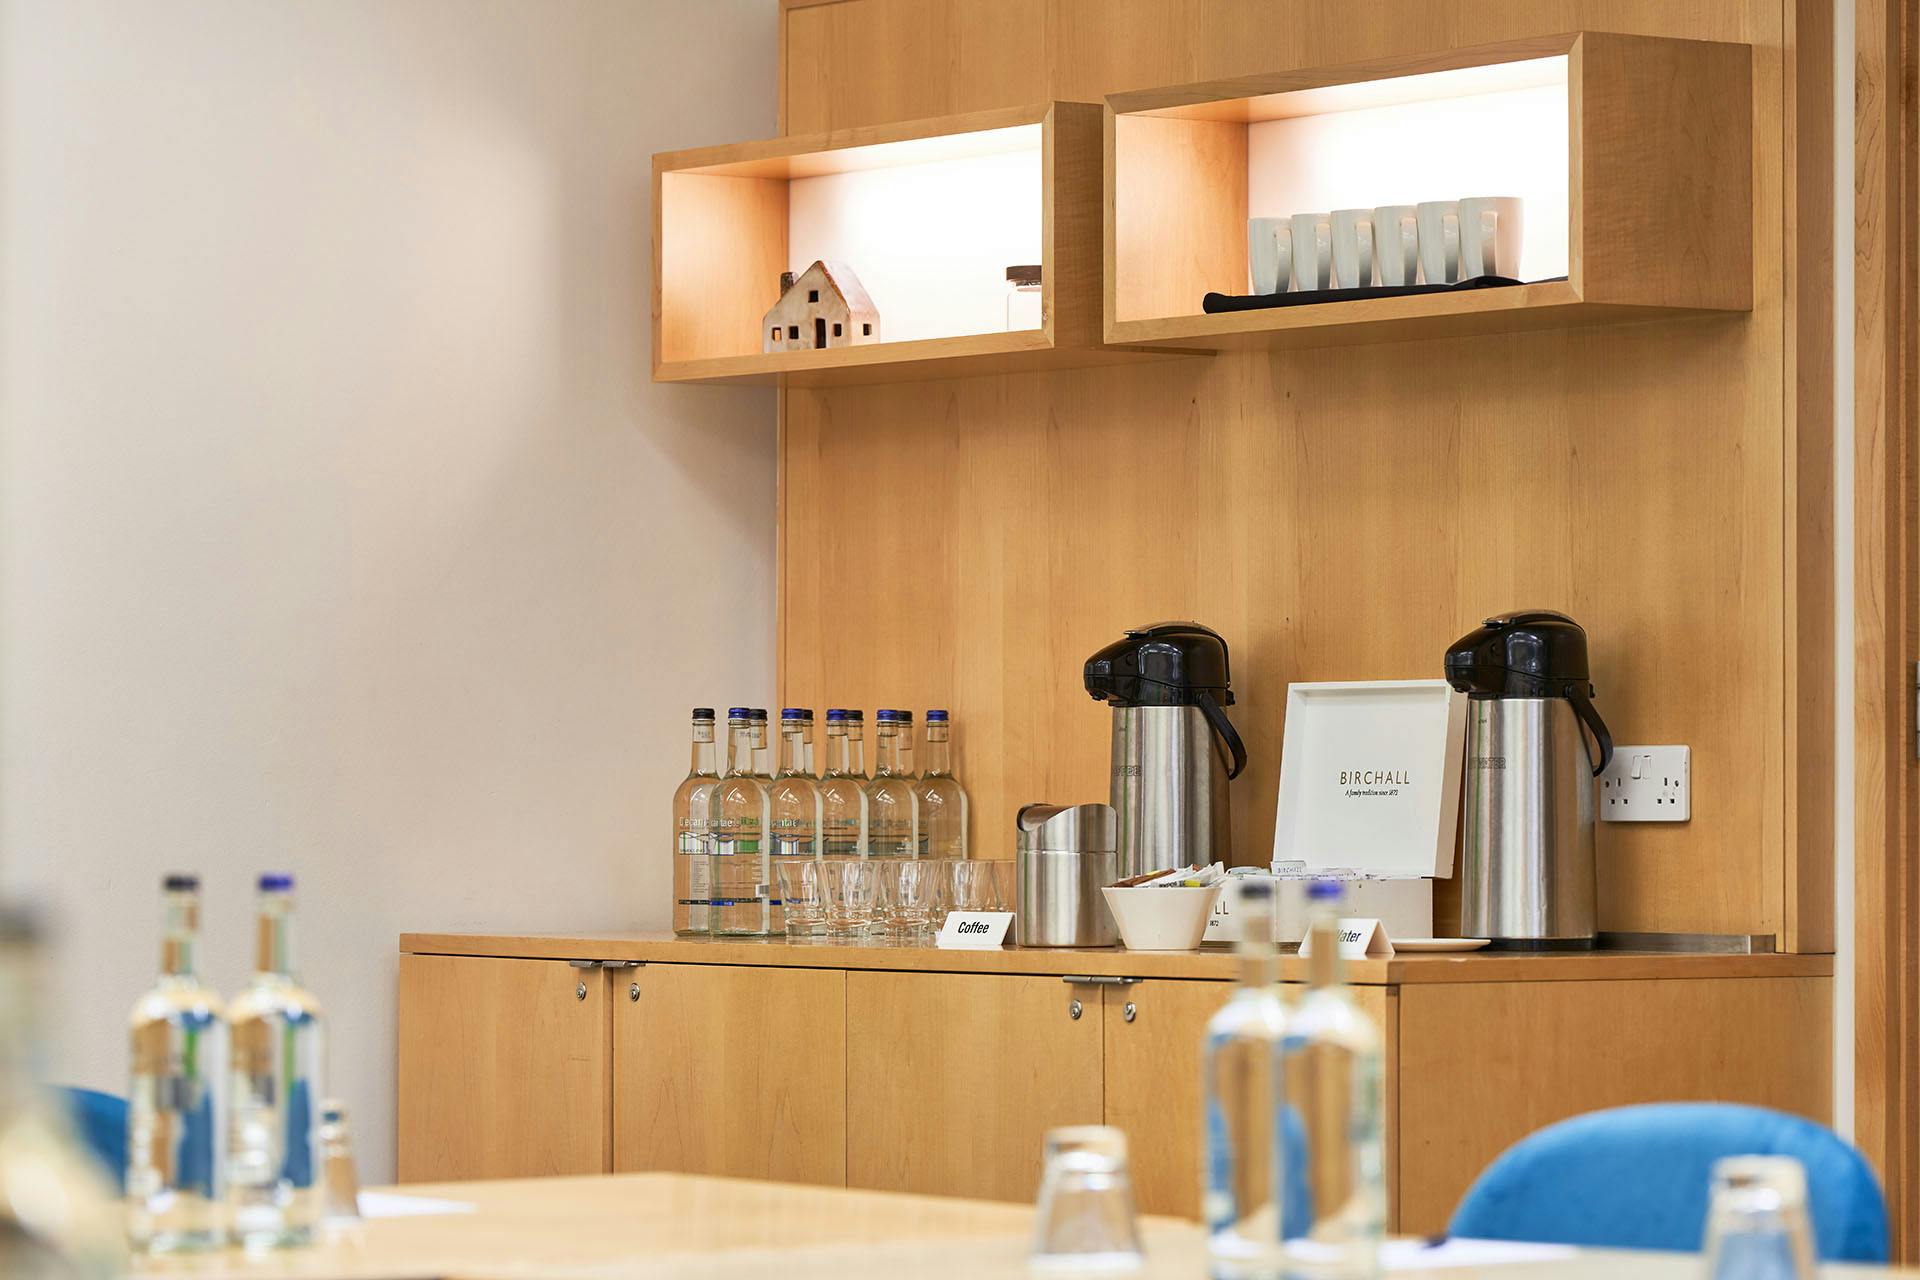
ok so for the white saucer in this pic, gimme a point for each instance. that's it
(1439, 944)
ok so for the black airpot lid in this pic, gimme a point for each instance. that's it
(1530, 653)
(1166, 664)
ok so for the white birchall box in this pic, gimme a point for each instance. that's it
(1370, 794)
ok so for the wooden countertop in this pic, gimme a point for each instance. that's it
(645, 1225)
(1109, 962)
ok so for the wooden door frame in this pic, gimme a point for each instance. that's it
(1886, 910)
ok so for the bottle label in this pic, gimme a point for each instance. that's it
(699, 879)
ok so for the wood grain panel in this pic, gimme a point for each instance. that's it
(1155, 1085)
(1178, 189)
(944, 1095)
(503, 1072)
(1344, 513)
(1886, 335)
(876, 60)
(719, 246)
(1661, 171)
(732, 1071)
(1482, 1067)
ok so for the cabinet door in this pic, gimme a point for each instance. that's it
(734, 1071)
(953, 1079)
(1153, 1085)
(503, 1069)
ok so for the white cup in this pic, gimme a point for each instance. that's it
(1491, 228)
(1312, 251)
(1439, 232)
(1396, 244)
(1269, 255)
(1352, 235)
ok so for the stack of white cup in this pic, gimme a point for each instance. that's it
(1435, 242)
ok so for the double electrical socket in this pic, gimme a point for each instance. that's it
(1647, 784)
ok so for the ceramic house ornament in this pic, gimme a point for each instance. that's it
(825, 307)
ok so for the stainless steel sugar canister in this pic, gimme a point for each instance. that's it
(1064, 856)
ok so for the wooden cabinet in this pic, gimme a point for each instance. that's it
(1153, 1033)
(504, 1068)
(740, 1072)
(953, 1079)
(910, 1069)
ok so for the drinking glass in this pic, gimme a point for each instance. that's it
(910, 893)
(851, 889)
(1757, 1225)
(801, 893)
(1005, 882)
(1084, 1221)
(341, 1178)
(971, 885)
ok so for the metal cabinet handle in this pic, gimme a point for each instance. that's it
(1096, 980)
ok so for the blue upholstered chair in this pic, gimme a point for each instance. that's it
(1639, 1178)
(101, 1120)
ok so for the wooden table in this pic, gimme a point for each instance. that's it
(645, 1225)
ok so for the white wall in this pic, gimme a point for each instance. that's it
(340, 527)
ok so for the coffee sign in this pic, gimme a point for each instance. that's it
(974, 929)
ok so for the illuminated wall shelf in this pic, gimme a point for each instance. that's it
(929, 213)
(1633, 154)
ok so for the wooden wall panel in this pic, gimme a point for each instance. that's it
(1336, 513)
(867, 61)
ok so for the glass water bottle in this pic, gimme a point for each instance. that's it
(692, 830)
(1243, 1168)
(843, 804)
(740, 879)
(1334, 1084)
(762, 747)
(793, 801)
(893, 810)
(176, 1097)
(943, 801)
(273, 1165)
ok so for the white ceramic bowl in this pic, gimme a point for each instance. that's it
(1162, 919)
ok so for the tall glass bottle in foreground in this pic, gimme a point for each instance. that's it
(273, 1163)
(1333, 1083)
(693, 830)
(176, 1100)
(59, 1219)
(943, 801)
(793, 802)
(893, 810)
(741, 879)
(1243, 1167)
(843, 805)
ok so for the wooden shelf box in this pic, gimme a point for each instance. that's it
(1633, 155)
(929, 214)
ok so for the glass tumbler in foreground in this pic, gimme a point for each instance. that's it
(800, 893)
(971, 885)
(851, 889)
(1757, 1225)
(910, 895)
(1084, 1221)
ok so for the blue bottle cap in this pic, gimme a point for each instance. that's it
(276, 882)
(936, 715)
(739, 713)
(792, 713)
(703, 713)
(1325, 890)
(836, 713)
(178, 883)
(887, 714)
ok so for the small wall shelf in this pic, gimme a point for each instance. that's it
(1633, 155)
(929, 214)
